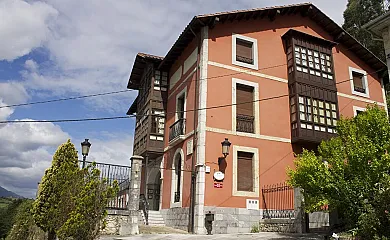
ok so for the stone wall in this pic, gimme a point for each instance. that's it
(176, 217)
(115, 220)
(278, 225)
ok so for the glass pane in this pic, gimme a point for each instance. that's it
(329, 121)
(334, 115)
(305, 70)
(315, 103)
(315, 118)
(292, 100)
(297, 49)
(334, 122)
(327, 57)
(293, 108)
(327, 106)
(309, 126)
(315, 54)
(315, 111)
(323, 68)
(317, 66)
(303, 50)
(322, 56)
(301, 108)
(333, 106)
(329, 69)
(330, 76)
(157, 72)
(308, 110)
(316, 60)
(312, 72)
(321, 112)
(328, 64)
(302, 116)
(299, 69)
(303, 125)
(304, 62)
(165, 74)
(325, 75)
(303, 56)
(308, 117)
(311, 64)
(297, 55)
(322, 61)
(318, 74)
(322, 120)
(310, 58)
(298, 60)
(327, 113)
(309, 52)
(308, 101)
(301, 100)
(320, 104)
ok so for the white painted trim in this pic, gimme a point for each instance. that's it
(254, 51)
(174, 204)
(256, 104)
(384, 96)
(365, 82)
(181, 93)
(185, 137)
(255, 168)
(240, 70)
(182, 82)
(356, 108)
(258, 136)
(360, 99)
(201, 134)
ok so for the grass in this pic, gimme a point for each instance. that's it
(4, 202)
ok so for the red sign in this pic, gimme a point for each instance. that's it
(218, 185)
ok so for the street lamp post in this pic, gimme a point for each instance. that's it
(85, 150)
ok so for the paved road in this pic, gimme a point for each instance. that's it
(242, 236)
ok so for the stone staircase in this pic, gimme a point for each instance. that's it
(155, 218)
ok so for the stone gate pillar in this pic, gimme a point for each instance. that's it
(134, 192)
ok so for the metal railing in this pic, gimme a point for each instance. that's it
(144, 207)
(245, 123)
(278, 200)
(177, 129)
(118, 173)
(177, 197)
(359, 89)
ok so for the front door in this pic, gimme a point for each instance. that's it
(153, 193)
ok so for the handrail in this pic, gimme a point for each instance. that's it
(144, 206)
(177, 129)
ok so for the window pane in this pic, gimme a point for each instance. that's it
(308, 117)
(315, 111)
(329, 121)
(301, 107)
(333, 106)
(322, 120)
(302, 116)
(320, 104)
(315, 103)
(334, 115)
(327, 106)
(321, 112)
(301, 100)
(315, 118)
(244, 51)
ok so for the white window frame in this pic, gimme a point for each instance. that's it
(254, 49)
(256, 106)
(181, 93)
(255, 168)
(356, 109)
(365, 82)
(174, 204)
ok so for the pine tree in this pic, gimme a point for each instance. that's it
(56, 191)
(358, 13)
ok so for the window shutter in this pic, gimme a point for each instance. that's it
(244, 51)
(357, 80)
(244, 94)
(244, 171)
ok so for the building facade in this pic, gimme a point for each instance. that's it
(271, 80)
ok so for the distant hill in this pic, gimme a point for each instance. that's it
(5, 193)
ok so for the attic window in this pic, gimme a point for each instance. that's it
(244, 51)
(359, 84)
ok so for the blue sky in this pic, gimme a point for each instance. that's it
(56, 49)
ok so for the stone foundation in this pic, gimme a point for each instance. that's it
(176, 217)
(116, 219)
(278, 225)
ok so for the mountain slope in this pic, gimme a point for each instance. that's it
(5, 193)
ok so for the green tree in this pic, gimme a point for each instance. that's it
(84, 222)
(351, 174)
(24, 226)
(7, 216)
(358, 13)
(56, 192)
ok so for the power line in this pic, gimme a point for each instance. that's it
(158, 115)
(66, 99)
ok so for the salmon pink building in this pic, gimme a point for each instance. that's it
(270, 80)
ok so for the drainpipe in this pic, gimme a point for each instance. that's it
(191, 215)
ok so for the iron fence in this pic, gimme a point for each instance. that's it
(177, 129)
(120, 174)
(278, 200)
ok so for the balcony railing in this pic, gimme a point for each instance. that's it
(177, 197)
(359, 89)
(177, 129)
(245, 124)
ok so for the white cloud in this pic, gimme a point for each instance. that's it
(23, 27)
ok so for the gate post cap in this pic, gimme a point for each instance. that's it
(136, 157)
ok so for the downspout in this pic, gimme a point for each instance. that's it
(191, 216)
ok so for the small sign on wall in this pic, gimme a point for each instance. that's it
(190, 146)
(218, 185)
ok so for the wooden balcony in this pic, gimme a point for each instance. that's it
(177, 131)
